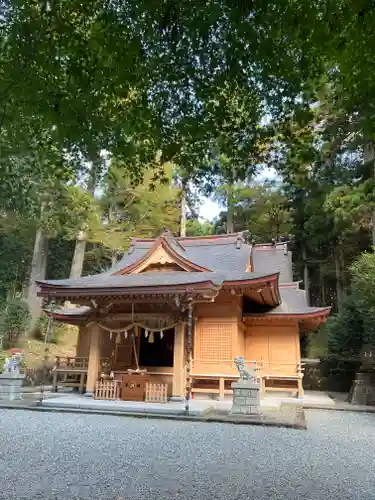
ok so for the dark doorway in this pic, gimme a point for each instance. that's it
(159, 352)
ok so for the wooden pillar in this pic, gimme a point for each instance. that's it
(188, 356)
(94, 358)
(82, 344)
(178, 363)
(221, 389)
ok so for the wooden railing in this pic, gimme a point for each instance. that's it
(228, 367)
(215, 377)
(267, 367)
(108, 390)
(156, 393)
(219, 367)
(66, 363)
(75, 363)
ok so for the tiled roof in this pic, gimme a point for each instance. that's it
(215, 253)
(293, 301)
(152, 279)
(273, 258)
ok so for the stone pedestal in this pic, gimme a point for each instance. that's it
(246, 400)
(11, 386)
(362, 391)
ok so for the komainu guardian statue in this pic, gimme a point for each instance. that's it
(245, 374)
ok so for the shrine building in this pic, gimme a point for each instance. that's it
(176, 311)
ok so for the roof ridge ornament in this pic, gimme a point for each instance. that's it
(132, 246)
(168, 234)
(240, 239)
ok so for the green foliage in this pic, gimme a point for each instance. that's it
(180, 78)
(143, 210)
(351, 206)
(16, 242)
(59, 257)
(41, 329)
(260, 209)
(363, 282)
(351, 332)
(3, 356)
(346, 331)
(195, 227)
(14, 318)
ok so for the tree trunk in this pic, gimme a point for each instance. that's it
(322, 287)
(80, 247)
(306, 275)
(183, 212)
(230, 210)
(369, 155)
(79, 255)
(339, 297)
(38, 272)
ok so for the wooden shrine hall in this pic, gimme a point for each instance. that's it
(171, 316)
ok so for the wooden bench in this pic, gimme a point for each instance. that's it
(71, 372)
(283, 377)
(279, 381)
(212, 384)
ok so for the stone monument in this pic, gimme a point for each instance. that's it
(11, 379)
(246, 400)
(362, 391)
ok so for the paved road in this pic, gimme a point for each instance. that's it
(66, 456)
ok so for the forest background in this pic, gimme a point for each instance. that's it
(119, 119)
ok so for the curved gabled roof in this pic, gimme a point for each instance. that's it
(173, 248)
(229, 251)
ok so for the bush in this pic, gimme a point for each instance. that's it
(331, 374)
(339, 373)
(346, 331)
(3, 355)
(14, 318)
(41, 327)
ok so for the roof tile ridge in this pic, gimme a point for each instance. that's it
(169, 235)
(149, 252)
(272, 245)
(207, 237)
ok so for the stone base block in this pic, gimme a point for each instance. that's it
(363, 390)
(246, 398)
(11, 386)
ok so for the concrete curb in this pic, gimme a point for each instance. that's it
(154, 416)
(354, 409)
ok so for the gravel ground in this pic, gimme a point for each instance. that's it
(76, 456)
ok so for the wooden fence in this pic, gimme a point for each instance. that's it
(107, 389)
(156, 393)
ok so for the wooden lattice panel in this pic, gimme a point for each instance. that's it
(107, 390)
(156, 393)
(215, 341)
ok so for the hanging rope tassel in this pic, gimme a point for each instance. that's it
(151, 338)
(135, 353)
(118, 338)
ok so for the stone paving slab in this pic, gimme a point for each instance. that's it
(268, 419)
(340, 407)
(200, 410)
(197, 408)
